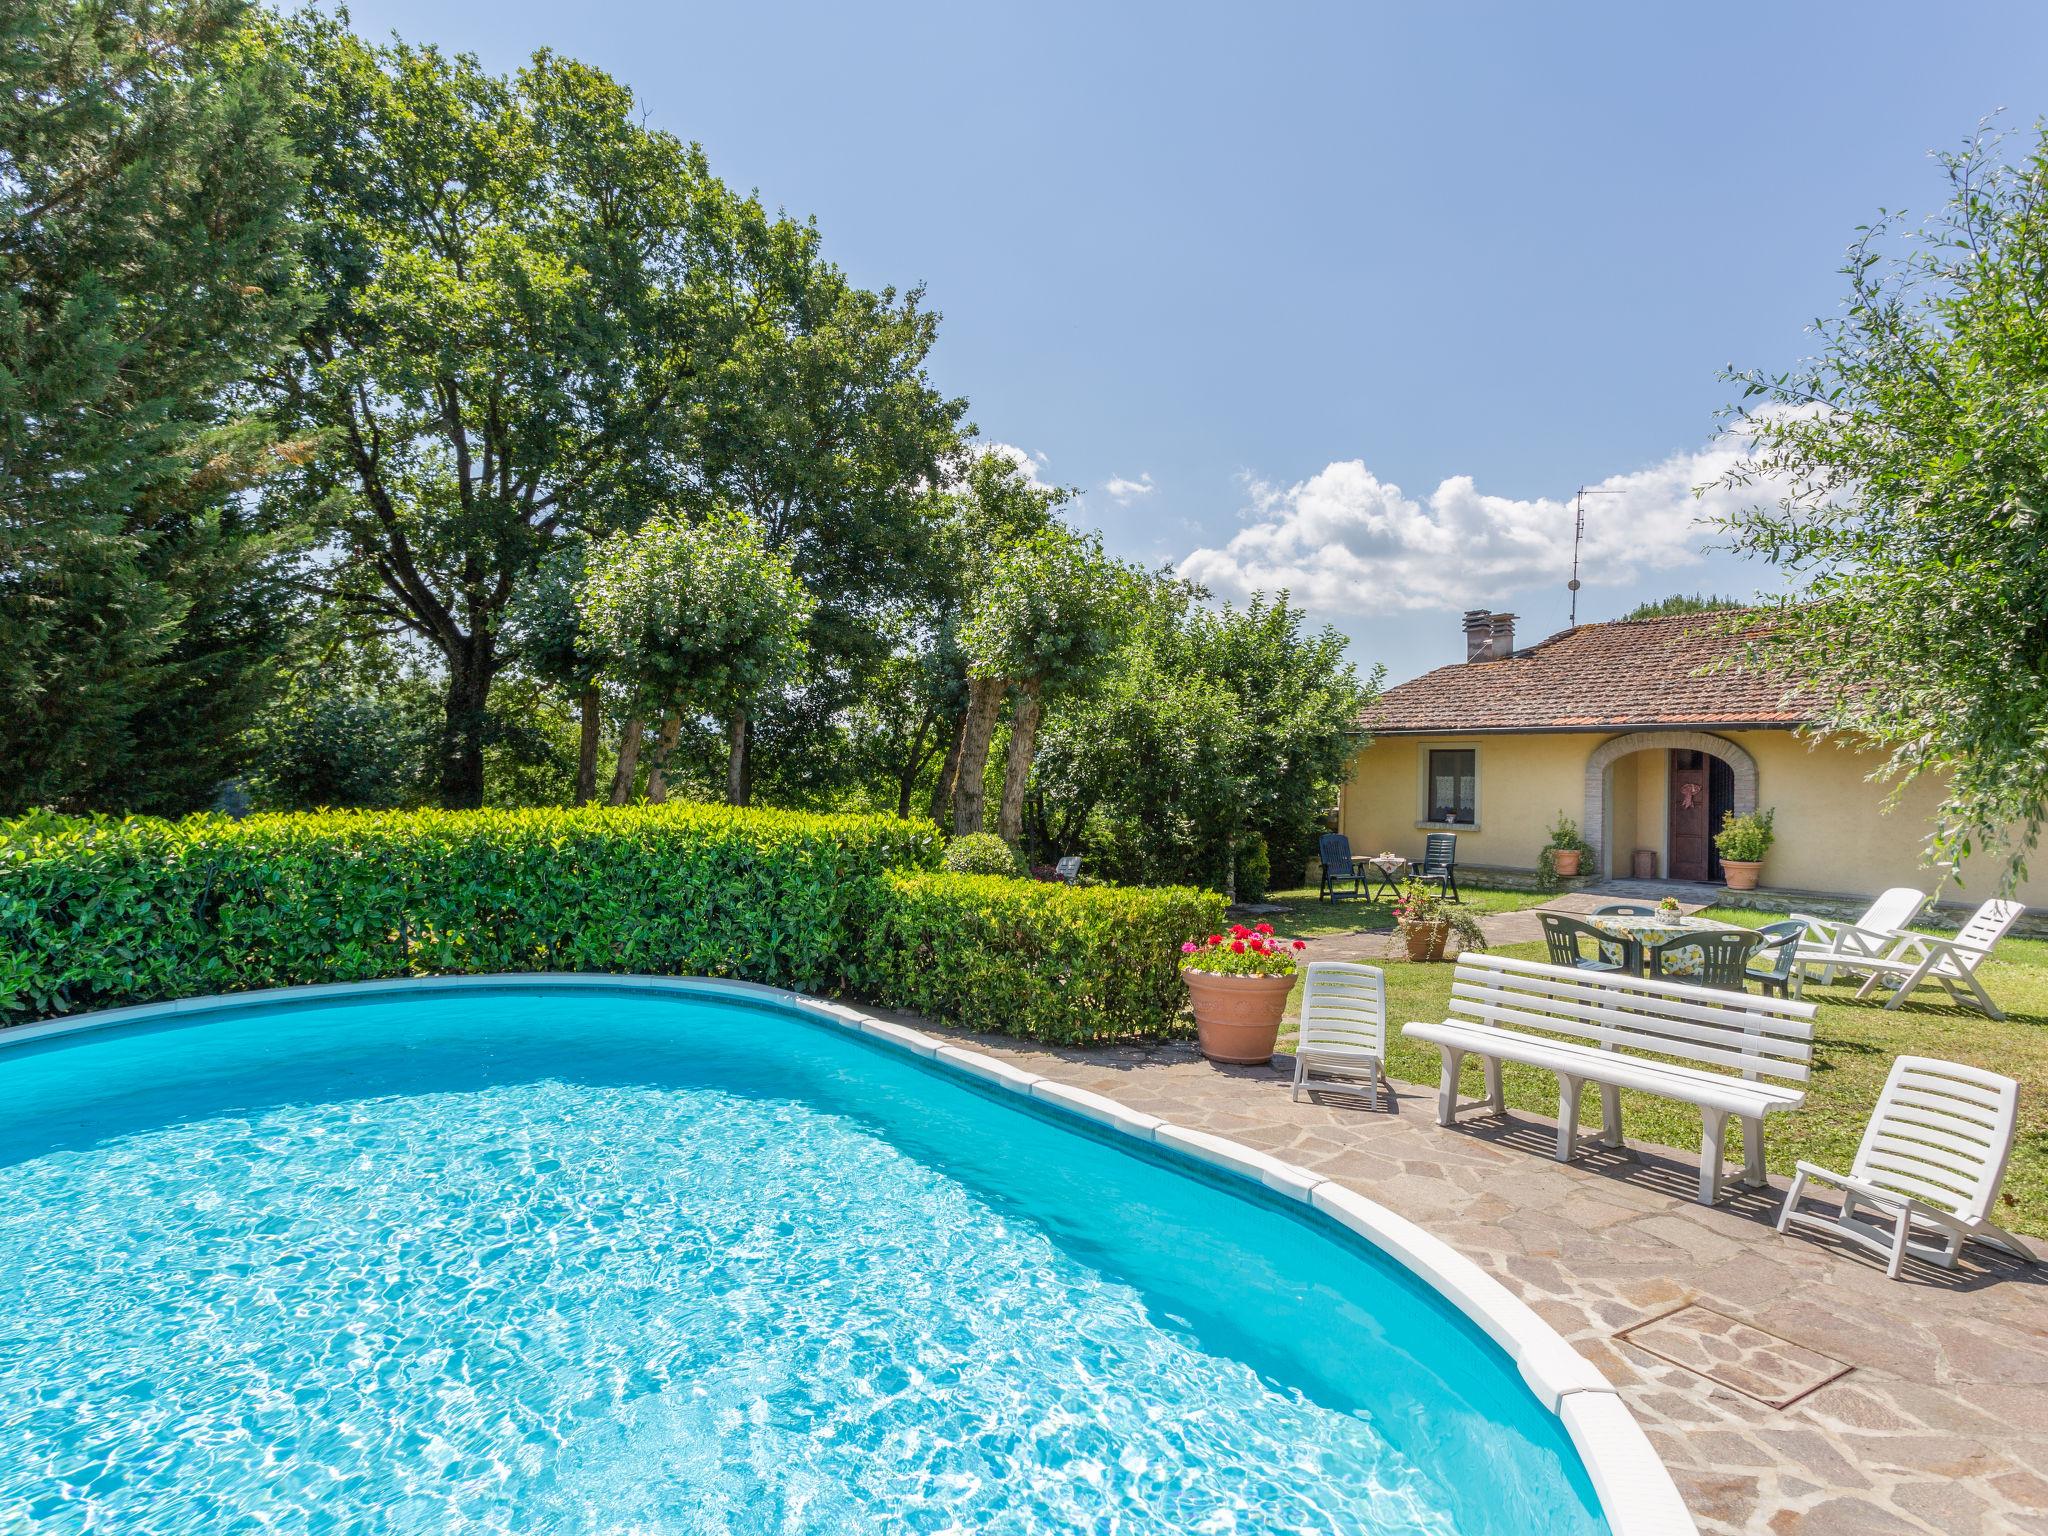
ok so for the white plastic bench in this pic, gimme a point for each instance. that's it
(1727, 1052)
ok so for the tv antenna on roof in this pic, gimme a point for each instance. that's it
(1578, 537)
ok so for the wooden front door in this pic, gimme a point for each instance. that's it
(1690, 794)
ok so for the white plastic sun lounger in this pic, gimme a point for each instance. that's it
(1916, 959)
(1343, 1027)
(1931, 1161)
(1835, 946)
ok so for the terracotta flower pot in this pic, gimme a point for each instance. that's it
(1741, 876)
(1237, 1018)
(1564, 862)
(1426, 940)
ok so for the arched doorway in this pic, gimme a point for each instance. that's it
(1691, 780)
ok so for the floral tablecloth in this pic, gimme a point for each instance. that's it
(1657, 928)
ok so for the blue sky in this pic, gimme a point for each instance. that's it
(1240, 272)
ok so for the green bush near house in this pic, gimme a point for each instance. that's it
(1746, 839)
(1064, 964)
(101, 913)
(1565, 837)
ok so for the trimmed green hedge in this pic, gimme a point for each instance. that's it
(98, 913)
(1047, 961)
(102, 913)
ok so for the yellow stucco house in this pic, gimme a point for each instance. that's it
(1615, 726)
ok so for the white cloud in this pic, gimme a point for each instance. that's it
(1345, 541)
(1031, 463)
(1123, 491)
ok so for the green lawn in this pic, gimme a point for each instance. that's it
(1856, 1044)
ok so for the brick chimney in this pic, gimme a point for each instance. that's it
(1488, 636)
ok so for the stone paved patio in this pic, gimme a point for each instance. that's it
(1523, 927)
(1940, 1424)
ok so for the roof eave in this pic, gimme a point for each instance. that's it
(1449, 729)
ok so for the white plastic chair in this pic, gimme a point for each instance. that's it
(1837, 946)
(1343, 1026)
(1918, 958)
(1932, 1158)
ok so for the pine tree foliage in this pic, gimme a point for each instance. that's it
(145, 193)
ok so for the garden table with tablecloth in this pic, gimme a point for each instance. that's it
(1391, 869)
(1655, 929)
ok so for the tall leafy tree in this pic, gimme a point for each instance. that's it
(1232, 728)
(894, 728)
(1141, 771)
(1050, 611)
(823, 427)
(546, 629)
(1298, 701)
(145, 190)
(692, 618)
(991, 507)
(523, 290)
(1915, 445)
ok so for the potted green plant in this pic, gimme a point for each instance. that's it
(1427, 920)
(1743, 841)
(1563, 855)
(1238, 983)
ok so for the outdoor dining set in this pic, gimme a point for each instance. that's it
(1634, 940)
(1651, 1000)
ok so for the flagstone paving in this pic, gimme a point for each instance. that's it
(1939, 1424)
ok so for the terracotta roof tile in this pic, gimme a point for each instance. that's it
(1642, 672)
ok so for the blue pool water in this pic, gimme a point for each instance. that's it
(538, 1262)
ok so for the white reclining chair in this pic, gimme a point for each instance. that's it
(1931, 1161)
(1915, 959)
(1343, 1026)
(1837, 946)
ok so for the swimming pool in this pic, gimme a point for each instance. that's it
(527, 1257)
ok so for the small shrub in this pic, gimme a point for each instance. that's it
(1064, 964)
(982, 853)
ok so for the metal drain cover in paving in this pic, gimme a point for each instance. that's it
(1735, 1354)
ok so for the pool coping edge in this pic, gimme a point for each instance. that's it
(1636, 1491)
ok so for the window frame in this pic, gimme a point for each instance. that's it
(1425, 815)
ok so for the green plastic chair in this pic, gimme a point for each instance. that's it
(1724, 957)
(1563, 935)
(1776, 967)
